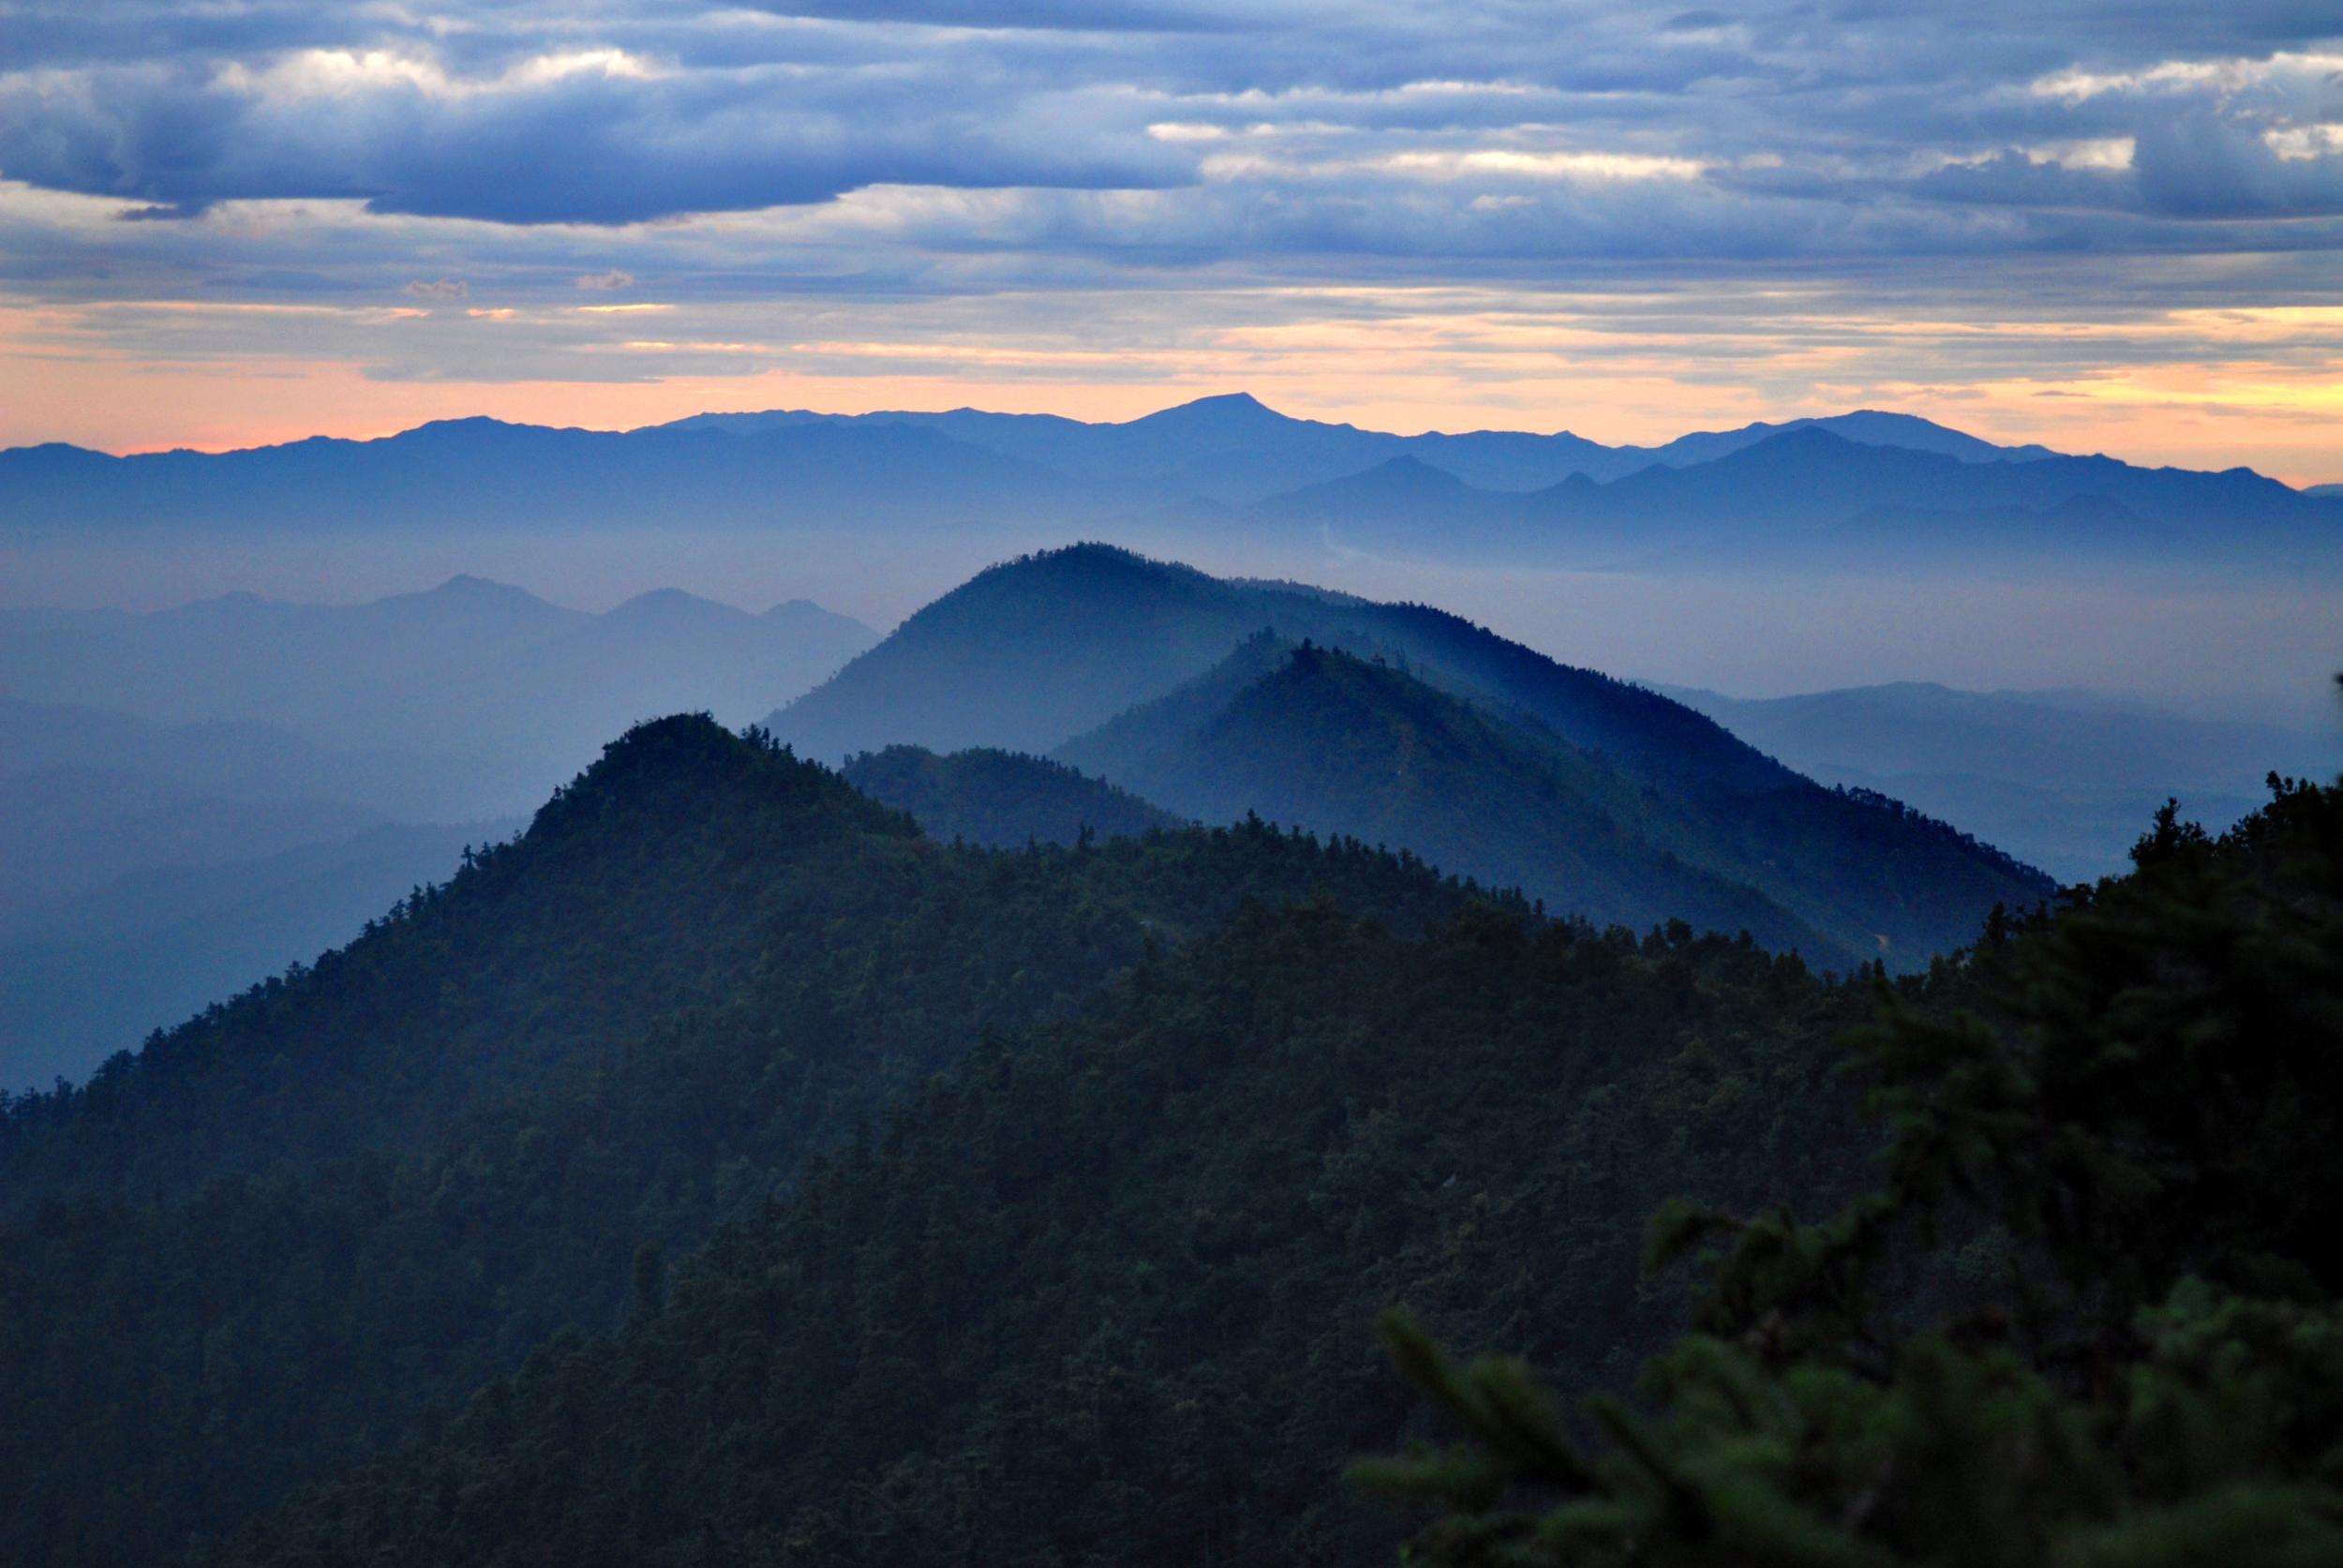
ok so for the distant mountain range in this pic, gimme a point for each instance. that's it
(1808, 498)
(1404, 725)
(198, 796)
(471, 698)
(1867, 487)
(194, 799)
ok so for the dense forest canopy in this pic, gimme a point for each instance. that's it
(1105, 1293)
(726, 1171)
(1001, 799)
(1097, 1296)
(268, 1243)
(2137, 1121)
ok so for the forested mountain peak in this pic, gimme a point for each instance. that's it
(1101, 1296)
(356, 1191)
(1024, 655)
(1089, 565)
(1053, 653)
(657, 764)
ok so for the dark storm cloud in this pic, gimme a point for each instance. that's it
(897, 149)
(534, 113)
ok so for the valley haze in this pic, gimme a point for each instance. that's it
(1764, 561)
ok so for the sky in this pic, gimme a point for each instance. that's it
(2104, 226)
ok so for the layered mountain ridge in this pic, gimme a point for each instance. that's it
(1064, 653)
(321, 1208)
(1867, 487)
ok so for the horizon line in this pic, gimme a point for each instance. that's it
(1240, 395)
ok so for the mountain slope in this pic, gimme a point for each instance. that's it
(1868, 426)
(83, 978)
(1104, 1297)
(316, 1211)
(1031, 654)
(1001, 799)
(1026, 654)
(1327, 741)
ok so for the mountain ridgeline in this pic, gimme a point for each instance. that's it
(1402, 724)
(1100, 1296)
(1345, 746)
(192, 797)
(1869, 488)
(284, 1234)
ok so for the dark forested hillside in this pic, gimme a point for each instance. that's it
(1034, 653)
(1103, 1296)
(724, 1172)
(2138, 1129)
(1003, 799)
(266, 1246)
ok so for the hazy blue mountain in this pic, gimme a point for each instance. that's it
(1867, 427)
(1309, 736)
(146, 868)
(67, 830)
(1234, 448)
(472, 475)
(1408, 509)
(1798, 472)
(1001, 799)
(280, 768)
(1808, 499)
(341, 674)
(1228, 448)
(1031, 654)
(503, 693)
(1869, 488)
(2063, 780)
(2325, 492)
(229, 759)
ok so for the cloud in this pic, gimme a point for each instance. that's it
(591, 136)
(2208, 165)
(786, 171)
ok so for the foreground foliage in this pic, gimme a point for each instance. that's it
(2136, 1138)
